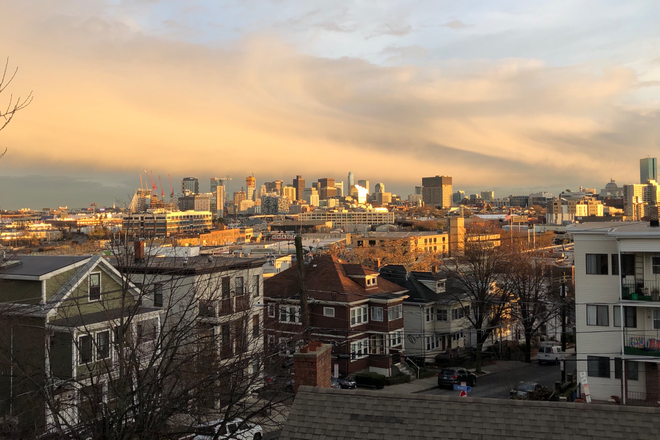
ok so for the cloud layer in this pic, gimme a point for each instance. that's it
(113, 98)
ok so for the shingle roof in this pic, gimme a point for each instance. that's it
(39, 265)
(319, 413)
(417, 291)
(325, 278)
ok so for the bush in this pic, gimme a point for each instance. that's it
(370, 380)
(398, 379)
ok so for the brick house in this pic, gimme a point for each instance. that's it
(350, 307)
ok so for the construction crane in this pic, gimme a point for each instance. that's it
(171, 189)
(162, 191)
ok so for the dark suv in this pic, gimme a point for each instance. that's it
(449, 377)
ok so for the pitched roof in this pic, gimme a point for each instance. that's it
(419, 292)
(327, 278)
(346, 414)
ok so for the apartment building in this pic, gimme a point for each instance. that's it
(617, 296)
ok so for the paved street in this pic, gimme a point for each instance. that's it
(498, 385)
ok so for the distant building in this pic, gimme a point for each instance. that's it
(351, 179)
(457, 197)
(311, 196)
(359, 193)
(437, 191)
(648, 169)
(274, 204)
(488, 196)
(345, 218)
(379, 188)
(299, 185)
(365, 184)
(191, 184)
(612, 191)
(250, 187)
(340, 189)
(638, 198)
(327, 188)
(165, 223)
(289, 192)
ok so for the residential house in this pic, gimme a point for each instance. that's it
(350, 307)
(62, 317)
(617, 285)
(213, 299)
(434, 314)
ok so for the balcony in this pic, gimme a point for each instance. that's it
(642, 343)
(641, 290)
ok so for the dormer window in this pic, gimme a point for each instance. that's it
(371, 281)
(94, 286)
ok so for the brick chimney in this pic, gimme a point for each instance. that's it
(313, 365)
(138, 250)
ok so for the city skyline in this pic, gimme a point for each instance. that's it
(507, 97)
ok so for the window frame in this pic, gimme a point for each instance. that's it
(256, 279)
(395, 312)
(377, 314)
(363, 351)
(599, 265)
(441, 315)
(82, 349)
(271, 311)
(430, 314)
(599, 366)
(396, 338)
(599, 309)
(158, 295)
(290, 311)
(239, 286)
(102, 346)
(632, 369)
(97, 297)
(329, 312)
(629, 316)
(359, 315)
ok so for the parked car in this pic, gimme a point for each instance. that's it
(236, 429)
(346, 383)
(527, 390)
(449, 377)
(550, 353)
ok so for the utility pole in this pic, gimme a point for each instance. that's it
(563, 326)
(304, 311)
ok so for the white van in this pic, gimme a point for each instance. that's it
(550, 353)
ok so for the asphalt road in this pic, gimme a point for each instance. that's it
(498, 385)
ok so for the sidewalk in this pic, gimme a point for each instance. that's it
(420, 385)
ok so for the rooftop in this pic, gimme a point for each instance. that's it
(36, 266)
(616, 229)
(349, 414)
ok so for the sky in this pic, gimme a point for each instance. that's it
(514, 97)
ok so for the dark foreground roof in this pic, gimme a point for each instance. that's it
(332, 414)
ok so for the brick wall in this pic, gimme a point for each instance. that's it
(313, 365)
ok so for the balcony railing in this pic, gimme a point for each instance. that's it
(642, 344)
(641, 290)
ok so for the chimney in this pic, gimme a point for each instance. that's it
(313, 365)
(138, 250)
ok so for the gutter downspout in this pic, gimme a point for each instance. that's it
(623, 326)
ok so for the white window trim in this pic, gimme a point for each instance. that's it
(375, 318)
(361, 312)
(364, 346)
(271, 311)
(89, 287)
(395, 312)
(95, 346)
(296, 314)
(329, 312)
(396, 338)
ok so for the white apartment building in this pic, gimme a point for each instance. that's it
(617, 280)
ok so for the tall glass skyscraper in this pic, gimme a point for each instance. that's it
(648, 169)
(351, 179)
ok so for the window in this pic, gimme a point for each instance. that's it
(255, 326)
(103, 345)
(271, 340)
(440, 315)
(238, 283)
(598, 366)
(290, 314)
(596, 264)
(271, 310)
(359, 349)
(158, 295)
(396, 338)
(395, 312)
(632, 369)
(359, 315)
(457, 314)
(226, 287)
(329, 312)
(84, 349)
(255, 285)
(628, 264)
(629, 314)
(377, 344)
(598, 315)
(377, 314)
(656, 319)
(429, 314)
(655, 262)
(432, 342)
(94, 286)
(615, 264)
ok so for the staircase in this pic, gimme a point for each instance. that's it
(405, 369)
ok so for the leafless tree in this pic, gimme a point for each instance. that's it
(14, 104)
(479, 270)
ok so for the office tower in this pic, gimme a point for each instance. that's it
(262, 191)
(311, 196)
(250, 188)
(359, 193)
(239, 196)
(365, 184)
(220, 202)
(327, 188)
(418, 190)
(351, 179)
(488, 196)
(639, 199)
(299, 185)
(648, 169)
(191, 184)
(436, 191)
(289, 192)
(340, 189)
(456, 198)
(379, 188)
